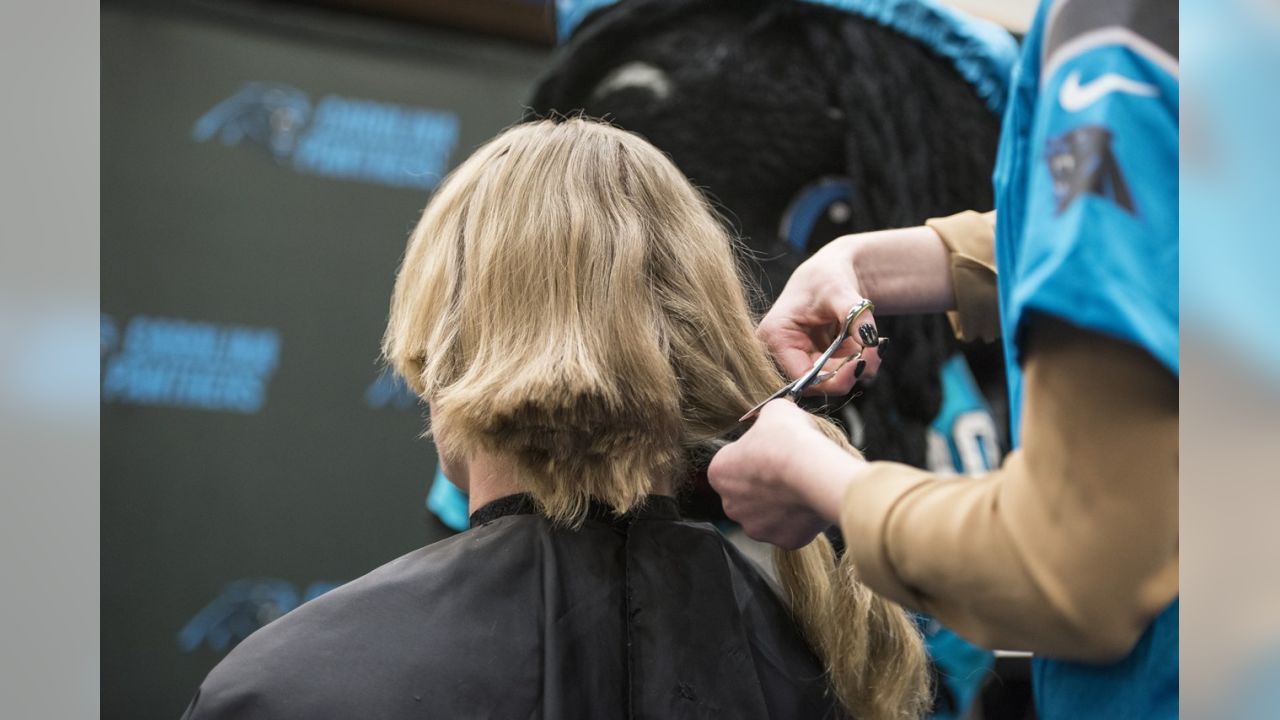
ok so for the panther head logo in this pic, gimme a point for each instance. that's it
(270, 115)
(242, 607)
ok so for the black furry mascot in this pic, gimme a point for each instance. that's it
(803, 121)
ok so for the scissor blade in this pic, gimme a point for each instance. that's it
(753, 412)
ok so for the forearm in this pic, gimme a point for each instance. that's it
(1069, 548)
(904, 271)
(946, 265)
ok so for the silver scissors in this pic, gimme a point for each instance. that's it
(814, 375)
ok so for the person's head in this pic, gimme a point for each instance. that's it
(570, 302)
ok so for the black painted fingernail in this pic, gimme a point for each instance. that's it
(881, 346)
(857, 369)
(868, 334)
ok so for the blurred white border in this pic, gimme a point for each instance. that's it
(49, 275)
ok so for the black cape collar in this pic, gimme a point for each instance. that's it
(654, 507)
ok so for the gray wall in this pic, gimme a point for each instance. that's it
(249, 452)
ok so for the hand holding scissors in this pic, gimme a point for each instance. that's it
(866, 334)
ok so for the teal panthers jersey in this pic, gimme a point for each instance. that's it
(1087, 232)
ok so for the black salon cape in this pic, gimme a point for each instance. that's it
(647, 616)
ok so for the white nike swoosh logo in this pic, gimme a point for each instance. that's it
(1075, 97)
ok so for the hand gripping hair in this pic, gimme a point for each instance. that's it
(570, 301)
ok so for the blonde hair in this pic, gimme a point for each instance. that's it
(570, 301)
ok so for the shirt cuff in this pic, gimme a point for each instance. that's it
(970, 236)
(865, 514)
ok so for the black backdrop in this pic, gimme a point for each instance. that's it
(251, 455)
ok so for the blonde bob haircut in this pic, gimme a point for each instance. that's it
(571, 302)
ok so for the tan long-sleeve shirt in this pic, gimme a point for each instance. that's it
(1071, 547)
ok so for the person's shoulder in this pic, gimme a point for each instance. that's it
(429, 574)
(341, 652)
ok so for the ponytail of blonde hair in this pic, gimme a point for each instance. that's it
(570, 301)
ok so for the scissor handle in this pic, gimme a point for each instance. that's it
(804, 381)
(854, 312)
(794, 389)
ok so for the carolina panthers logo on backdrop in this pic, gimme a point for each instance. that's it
(273, 116)
(173, 362)
(242, 607)
(340, 137)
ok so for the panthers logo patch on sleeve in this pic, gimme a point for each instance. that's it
(1081, 162)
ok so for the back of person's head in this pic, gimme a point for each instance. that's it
(570, 302)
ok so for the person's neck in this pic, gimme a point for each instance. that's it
(491, 476)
